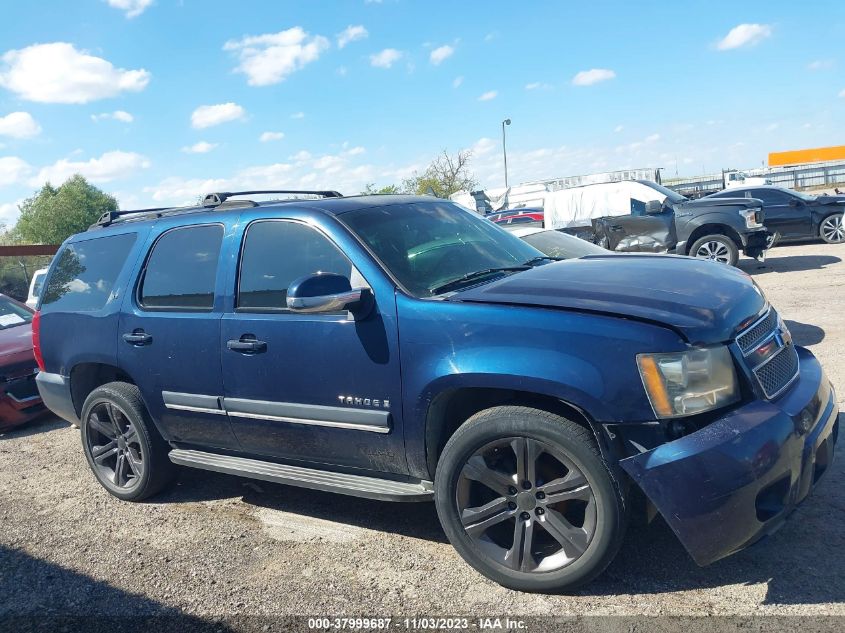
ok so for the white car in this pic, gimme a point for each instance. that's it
(35, 287)
(557, 244)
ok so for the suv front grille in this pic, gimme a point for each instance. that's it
(757, 332)
(775, 369)
(779, 371)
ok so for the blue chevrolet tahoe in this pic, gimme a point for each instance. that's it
(405, 349)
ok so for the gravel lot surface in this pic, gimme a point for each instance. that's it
(218, 546)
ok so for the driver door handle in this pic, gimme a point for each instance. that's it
(246, 345)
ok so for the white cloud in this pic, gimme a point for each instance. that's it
(108, 167)
(489, 95)
(117, 115)
(821, 64)
(385, 58)
(355, 151)
(133, 8)
(457, 81)
(9, 213)
(267, 137)
(618, 128)
(13, 170)
(652, 138)
(592, 76)
(537, 85)
(842, 94)
(491, 36)
(351, 34)
(211, 115)
(269, 59)
(203, 147)
(19, 125)
(744, 35)
(441, 54)
(59, 73)
(297, 115)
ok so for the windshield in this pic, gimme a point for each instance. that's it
(563, 246)
(672, 196)
(425, 245)
(804, 196)
(12, 314)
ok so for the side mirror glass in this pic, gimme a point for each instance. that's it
(325, 292)
(653, 207)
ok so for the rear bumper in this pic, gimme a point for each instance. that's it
(736, 480)
(19, 401)
(55, 392)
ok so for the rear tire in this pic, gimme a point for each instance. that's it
(123, 448)
(716, 247)
(549, 520)
(832, 229)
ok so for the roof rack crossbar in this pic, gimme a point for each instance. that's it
(110, 216)
(216, 199)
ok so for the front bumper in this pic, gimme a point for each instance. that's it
(735, 481)
(756, 243)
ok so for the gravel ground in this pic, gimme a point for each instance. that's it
(218, 546)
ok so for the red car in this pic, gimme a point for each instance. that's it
(526, 216)
(19, 399)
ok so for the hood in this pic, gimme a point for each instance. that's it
(15, 340)
(702, 300)
(830, 200)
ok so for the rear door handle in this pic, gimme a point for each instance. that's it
(247, 345)
(138, 337)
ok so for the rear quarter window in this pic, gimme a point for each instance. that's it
(84, 274)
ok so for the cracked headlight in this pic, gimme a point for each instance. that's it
(685, 383)
(753, 218)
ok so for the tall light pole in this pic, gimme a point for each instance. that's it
(505, 149)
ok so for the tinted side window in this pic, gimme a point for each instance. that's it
(84, 274)
(275, 253)
(770, 197)
(182, 269)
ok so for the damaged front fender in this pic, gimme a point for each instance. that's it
(734, 481)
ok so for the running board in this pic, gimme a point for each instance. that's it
(342, 483)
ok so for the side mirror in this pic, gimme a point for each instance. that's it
(653, 207)
(325, 292)
(795, 202)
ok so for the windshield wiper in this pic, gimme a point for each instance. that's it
(455, 283)
(542, 258)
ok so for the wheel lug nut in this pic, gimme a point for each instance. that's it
(524, 516)
(511, 490)
(526, 485)
(511, 506)
(541, 495)
(540, 511)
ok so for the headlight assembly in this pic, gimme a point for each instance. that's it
(753, 218)
(685, 383)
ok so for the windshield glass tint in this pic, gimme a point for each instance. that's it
(427, 244)
(557, 244)
(11, 314)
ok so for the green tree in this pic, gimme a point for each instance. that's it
(53, 214)
(371, 189)
(445, 175)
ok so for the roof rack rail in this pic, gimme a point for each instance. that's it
(110, 216)
(216, 199)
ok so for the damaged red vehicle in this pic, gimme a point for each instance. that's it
(19, 399)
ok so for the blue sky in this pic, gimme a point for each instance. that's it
(158, 101)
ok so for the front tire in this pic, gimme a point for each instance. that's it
(526, 499)
(832, 229)
(123, 448)
(716, 247)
